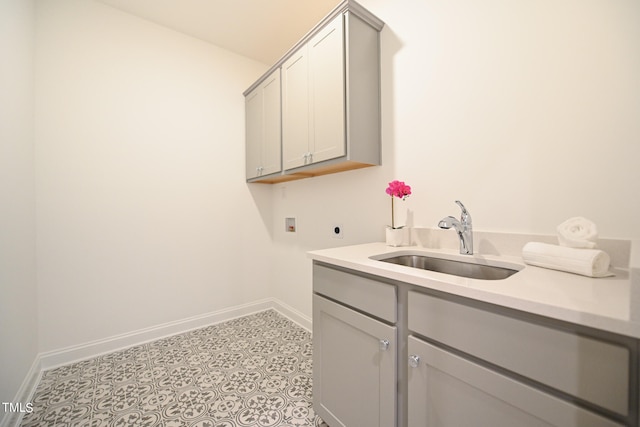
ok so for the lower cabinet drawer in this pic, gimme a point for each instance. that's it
(371, 296)
(446, 390)
(584, 367)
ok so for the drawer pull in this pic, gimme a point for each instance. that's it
(384, 345)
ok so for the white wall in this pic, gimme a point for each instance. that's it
(526, 111)
(18, 327)
(143, 216)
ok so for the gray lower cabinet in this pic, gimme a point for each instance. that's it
(595, 370)
(354, 373)
(390, 354)
(446, 390)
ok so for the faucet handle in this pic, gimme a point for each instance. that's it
(466, 216)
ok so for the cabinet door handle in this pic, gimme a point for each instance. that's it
(383, 345)
(414, 361)
(308, 157)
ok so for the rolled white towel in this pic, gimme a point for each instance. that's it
(577, 232)
(587, 262)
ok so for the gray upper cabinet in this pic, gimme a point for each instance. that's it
(330, 99)
(263, 129)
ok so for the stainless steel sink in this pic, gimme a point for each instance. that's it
(456, 268)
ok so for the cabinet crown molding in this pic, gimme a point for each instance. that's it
(350, 6)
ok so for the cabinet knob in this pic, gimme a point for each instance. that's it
(414, 361)
(308, 157)
(384, 345)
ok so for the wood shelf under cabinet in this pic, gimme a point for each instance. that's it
(319, 170)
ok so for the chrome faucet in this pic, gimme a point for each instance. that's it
(462, 227)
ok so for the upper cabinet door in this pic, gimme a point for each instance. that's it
(272, 128)
(263, 128)
(327, 92)
(295, 109)
(313, 99)
(253, 111)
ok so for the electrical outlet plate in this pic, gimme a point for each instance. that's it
(290, 225)
(337, 231)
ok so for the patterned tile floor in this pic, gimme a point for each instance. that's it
(250, 371)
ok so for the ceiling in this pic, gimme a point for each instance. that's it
(263, 30)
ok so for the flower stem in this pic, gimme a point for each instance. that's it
(393, 225)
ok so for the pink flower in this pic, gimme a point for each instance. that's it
(398, 189)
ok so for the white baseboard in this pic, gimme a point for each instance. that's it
(293, 314)
(53, 359)
(24, 394)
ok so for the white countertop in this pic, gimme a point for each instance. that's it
(611, 304)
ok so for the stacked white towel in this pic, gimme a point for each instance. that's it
(576, 254)
(577, 232)
(587, 262)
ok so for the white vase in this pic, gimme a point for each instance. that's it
(397, 236)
